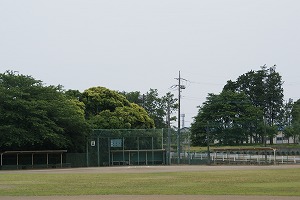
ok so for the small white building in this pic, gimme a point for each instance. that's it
(281, 139)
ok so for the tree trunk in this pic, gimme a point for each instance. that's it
(271, 140)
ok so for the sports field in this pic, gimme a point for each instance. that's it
(280, 182)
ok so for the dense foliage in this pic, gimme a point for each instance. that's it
(229, 118)
(33, 116)
(159, 109)
(292, 120)
(107, 109)
(249, 109)
(264, 90)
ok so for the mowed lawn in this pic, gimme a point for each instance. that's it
(273, 182)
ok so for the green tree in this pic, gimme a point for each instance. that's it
(264, 89)
(34, 116)
(153, 106)
(230, 117)
(73, 94)
(292, 129)
(134, 97)
(274, 97)
(157, 107)
(286, 125)
(170, 104)
(107, 109)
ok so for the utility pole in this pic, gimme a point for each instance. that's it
(180, 87)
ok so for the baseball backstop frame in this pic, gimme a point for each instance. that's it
(109, 147)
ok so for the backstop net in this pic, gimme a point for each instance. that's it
(108, 147)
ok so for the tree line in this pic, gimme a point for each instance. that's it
(34, 116)
(248, 110)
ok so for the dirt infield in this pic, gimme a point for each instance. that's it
(150, 169)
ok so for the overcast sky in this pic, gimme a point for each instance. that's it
(135, 45)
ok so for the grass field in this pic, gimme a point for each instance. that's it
(267, 182)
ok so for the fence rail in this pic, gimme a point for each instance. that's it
(234, 158)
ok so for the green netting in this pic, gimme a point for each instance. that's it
(125, 146)
(135, 146)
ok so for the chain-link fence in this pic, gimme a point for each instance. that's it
(107, 147)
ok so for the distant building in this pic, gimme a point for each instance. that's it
(281, 139)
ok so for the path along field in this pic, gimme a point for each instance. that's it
(148, 172)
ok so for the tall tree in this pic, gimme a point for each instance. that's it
(153, 105)
(134, 97)
(264, 89)
(34, 116)
(292, 125)
(73, 94)
(157, 107)
(108, 109)
(230, 117)
(274, 97)
(170, 104)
